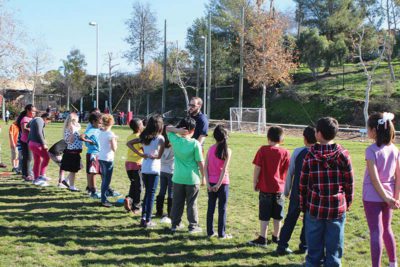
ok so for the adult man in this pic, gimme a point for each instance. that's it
(200, 132)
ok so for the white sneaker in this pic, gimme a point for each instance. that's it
(165, 220)
(45, 178)
(195, 230)
(40, 182)
(61, 185)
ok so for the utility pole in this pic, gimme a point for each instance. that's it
(110, 68)
(164, 90)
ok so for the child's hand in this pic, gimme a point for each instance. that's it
(216, 187)
(397, 204)
(209, 187)
(203, 182)
(256, 189)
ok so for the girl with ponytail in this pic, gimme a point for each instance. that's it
(217, 177)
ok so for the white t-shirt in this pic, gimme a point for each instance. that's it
(152, 166)
(167, 160)
(106, 152)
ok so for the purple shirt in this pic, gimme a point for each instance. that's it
(385, 158)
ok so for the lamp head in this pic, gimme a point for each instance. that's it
(92, 23)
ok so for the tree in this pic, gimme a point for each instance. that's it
(144, 37)
(389, 9)
(313, 47)
(39, 59)
(74, 74)
(267, 61)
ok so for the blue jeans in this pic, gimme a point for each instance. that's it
(289, 224)
(150, 182)
(325, 241)
(165, 183)
(222, 196)
(106, 168)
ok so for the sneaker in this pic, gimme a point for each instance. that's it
(128, 204)
(73, 189)
(150, 224)
(28, 178)
(212, 236)
(14, 170)
(40, 182)
(61, 185)
(165, 220)
(282, 252)
(43, 177)
(143, 223)
(2, 165)
(195, 230)
(226, 236)
(95, 195)
(106, 204)
(259, 242)
(136, 211)
(302, 249)
(275, 239)
(112, 193)
(65, 182)
(177, 227)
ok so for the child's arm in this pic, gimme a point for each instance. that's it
(160, 151)
(397, 184)
(304, 180)
(373, 174)
(132, 142)
(224, 169)
(256, 174)
(206, 175)
(173, 129)
(84, 138)
(289, 176)
(113, 143)
(201, 168)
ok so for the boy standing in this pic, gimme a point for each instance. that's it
(271, 165)
(326, 193)
(292, 186)
(188, 174)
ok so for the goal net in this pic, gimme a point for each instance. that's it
(247, 120)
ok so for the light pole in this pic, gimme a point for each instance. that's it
(205, 75)
(93, 23)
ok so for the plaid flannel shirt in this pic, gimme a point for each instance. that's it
(326, 182)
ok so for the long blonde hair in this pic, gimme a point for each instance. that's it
(72, 121)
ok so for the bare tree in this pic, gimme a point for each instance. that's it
(388, 8)
(267, 60)
(358, 40)
(144, 37)
(39, 59)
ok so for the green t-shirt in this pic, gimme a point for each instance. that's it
(187, 153)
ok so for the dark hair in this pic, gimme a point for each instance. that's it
(94, 116)
(309, 135)
(45, 116)
(23, 114)
(328, 127)
(275, 134)
(188, 123)
(134, 124)
(384, 132)
(221, 135)
(164, 133)
(95, 110)
(153, 128)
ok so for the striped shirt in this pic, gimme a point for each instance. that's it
(326, 182)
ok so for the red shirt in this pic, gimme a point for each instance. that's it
(274, 164)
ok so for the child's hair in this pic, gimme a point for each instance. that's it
(94, 116)
(107, 120)
(188, 123)
(384, 129)
(71, 119)
(309, 135)
(328, 127)
(45, 116)
(221, 136)
(275, 134)
(27, 108)
(153, 128)
(164, 133)
(134, 124)
(95, 110)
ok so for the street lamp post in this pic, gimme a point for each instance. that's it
(93, 23)
(205, 75)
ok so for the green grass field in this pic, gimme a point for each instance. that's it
(55, 227)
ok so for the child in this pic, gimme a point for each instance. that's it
(71, 160)
(326, 193)
(55, 153)
(153, 147)
(270, 167)
(108, 144)
(217, 178)
(38, 146)
(91, 139)
(188, 173)
(292, 186)
(167, 169)
(381, 186)
(13, 133)
(133, 165)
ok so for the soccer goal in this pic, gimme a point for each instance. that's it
(247, 120)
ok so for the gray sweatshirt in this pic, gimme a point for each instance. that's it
(36, 133)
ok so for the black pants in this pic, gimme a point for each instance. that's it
(26, 159)
(135, 189)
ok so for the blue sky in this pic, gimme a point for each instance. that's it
(63, 25)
